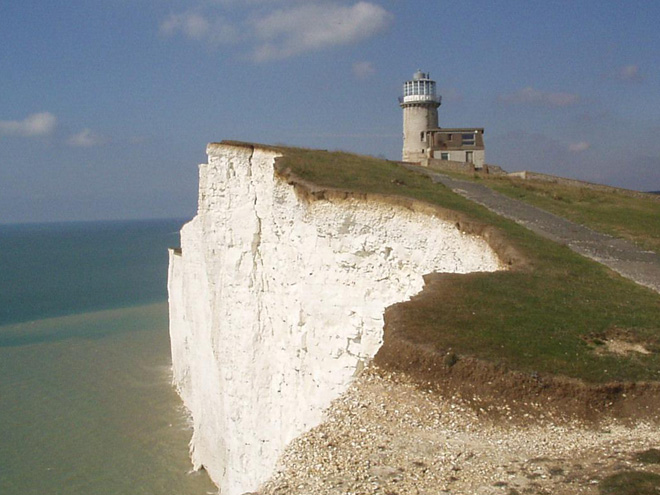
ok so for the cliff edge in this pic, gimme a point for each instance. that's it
(277, 300)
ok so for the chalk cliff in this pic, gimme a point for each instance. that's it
(277, 300)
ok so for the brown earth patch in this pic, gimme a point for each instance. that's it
(492, 388)
(621, 342)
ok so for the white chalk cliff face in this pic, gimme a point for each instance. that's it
(276, 302)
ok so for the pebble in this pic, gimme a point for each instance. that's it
(385, 435)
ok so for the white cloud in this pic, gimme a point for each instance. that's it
(192, 25)
(579, 146)
(37, 124)
(628, 73)
(531, 96)
(277, 29)
(86, 139)
(288, 32)
(363, 70)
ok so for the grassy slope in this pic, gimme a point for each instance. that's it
(618, 214)
(533, 320)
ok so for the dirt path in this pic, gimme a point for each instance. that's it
(624, 257)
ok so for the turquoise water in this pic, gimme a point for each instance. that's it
(86, 403)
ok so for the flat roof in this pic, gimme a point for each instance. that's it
(457, 129)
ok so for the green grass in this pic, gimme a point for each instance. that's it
(540, 319)
(369, 175)
(616, 213)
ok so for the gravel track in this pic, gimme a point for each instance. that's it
(624, 257)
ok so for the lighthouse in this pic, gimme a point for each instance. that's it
(420, 113)
(427, 144)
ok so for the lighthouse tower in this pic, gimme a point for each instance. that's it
(420, 113)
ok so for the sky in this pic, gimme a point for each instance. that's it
(106, 106)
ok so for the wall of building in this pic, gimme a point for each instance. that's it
(478, 156)
(452, 139)
(416, 120)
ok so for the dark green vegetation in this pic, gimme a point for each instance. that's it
(650, 456)
(553, 315)
(631, 483)
(635, 218)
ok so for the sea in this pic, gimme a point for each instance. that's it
(86, 398)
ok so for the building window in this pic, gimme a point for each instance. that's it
(468, 139)
(469, 156)
(444, 156)
(421, 136)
